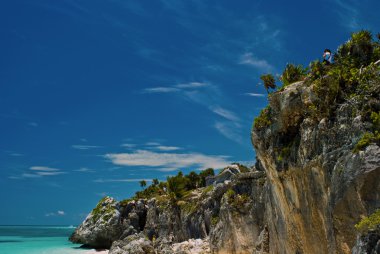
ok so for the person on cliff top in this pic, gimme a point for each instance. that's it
(327, 57)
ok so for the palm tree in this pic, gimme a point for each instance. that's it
(155, 182)
(142, 183)
(269, 81)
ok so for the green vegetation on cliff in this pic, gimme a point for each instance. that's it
(176, 187)
(354, 77)
(369, 223)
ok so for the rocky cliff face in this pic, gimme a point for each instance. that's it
(318, 188)
(312, 183)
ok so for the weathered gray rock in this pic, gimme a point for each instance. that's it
(226, 175)
(110, 221)
(133, 244)
(101, 227)
(368, 243)
(240, 220)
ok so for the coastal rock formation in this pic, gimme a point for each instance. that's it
(101, 227)
(110, 221)
(312, 191)
(317, 177)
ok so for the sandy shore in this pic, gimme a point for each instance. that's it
(96, 252)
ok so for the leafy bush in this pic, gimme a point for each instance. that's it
(292, 73)
(214, 220)
(369, 223)
(263, 120)
(366, 140)
(269, 81)
(375, 117)
(230, 194)
(359, 51)
(177, 185)
(317, 70)
(204, 174)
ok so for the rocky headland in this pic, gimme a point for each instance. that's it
(315, 187)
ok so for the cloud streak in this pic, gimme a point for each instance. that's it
(101, 180)
(53, 214)
(349, 13)
(41, 169)
(260, 64)
(207, 97)
(229, 115)
(168, 161)
(255, 94)
(176, 88)
(229, 130)
(84, 147)
(38, 172)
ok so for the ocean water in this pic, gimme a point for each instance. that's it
(37, 240)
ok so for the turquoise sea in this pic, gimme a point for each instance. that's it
(37, 240)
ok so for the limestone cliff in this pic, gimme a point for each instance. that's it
(318, 187)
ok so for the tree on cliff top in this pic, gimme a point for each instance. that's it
(269, 81)
(142, 183)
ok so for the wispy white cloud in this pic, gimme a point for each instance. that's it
(16, 154)
(175, 88)
(58, 213)
(28, 175)
(152, 144)
(168, 148)
(84, 147)
(161, 90)
(101, 180)
(167, 160)
(33, 124)
(209, 97)
(229, 130)
(85, 170)
(50, 173)
(348, 12)
(127, 145)
(42, 168)
(255, 94)
(40, 171)
(224, 113)
(192, 85)
(251, 60)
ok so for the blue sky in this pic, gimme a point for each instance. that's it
(97, 95)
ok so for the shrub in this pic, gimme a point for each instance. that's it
(269, 81)
(177, 185)
(359, 51)
(369, 223)
(263, 120)
(214, 220)
(375, 117)
(367, 139)
(194, 180)
(230, 194)
(292, 74)
(317, 70)
(205, 173)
